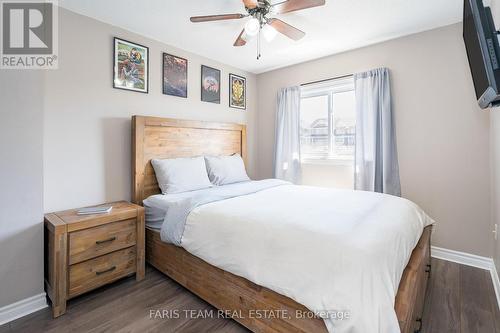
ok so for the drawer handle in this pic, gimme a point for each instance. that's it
(106, 270)
(419, 329)
(105, 240)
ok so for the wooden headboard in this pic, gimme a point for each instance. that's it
(154, 137)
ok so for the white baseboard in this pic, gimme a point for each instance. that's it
(22, 308)
(470, 260)
(496, 283)
(462, 258)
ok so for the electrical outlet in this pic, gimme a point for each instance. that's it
(495, 231)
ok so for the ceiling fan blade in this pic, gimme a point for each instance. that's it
(207, 18)
(293, 5)
(240, 41)
(250, 4)
(286, 29)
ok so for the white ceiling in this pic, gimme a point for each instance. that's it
(339, 26)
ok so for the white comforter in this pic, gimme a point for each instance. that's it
(330, 250)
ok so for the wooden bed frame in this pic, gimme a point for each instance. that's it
(170, 138)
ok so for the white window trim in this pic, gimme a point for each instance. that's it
(335, 85)
(328, 88)
(328, 161)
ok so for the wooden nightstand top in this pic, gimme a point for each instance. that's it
(71, 221)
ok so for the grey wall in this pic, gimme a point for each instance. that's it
(495, 180)
(21, 213)
(443, 137)
(495, 157)
(87, 137)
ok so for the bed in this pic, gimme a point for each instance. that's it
(170, 138)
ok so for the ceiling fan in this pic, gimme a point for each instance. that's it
(259, 23)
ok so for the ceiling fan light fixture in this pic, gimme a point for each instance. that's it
(245, 36)
(252, 27)
(258, 12)
(269, 33)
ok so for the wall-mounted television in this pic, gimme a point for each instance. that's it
(482, 46)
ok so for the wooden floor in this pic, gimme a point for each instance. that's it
(460, 299)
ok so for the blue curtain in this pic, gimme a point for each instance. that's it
(376, 160)
(287, 140)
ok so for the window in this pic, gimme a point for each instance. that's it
(328, 122)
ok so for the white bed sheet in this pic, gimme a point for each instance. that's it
(330, 250)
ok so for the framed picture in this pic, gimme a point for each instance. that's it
(210, 84)
(130, 66)
(237, 92)
(175, 75)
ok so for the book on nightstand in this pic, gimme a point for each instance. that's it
(94, 210)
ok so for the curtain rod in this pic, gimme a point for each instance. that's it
(324, 80)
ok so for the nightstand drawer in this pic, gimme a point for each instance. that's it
(93, 242)
(99, 271)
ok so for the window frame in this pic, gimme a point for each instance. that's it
(328, 88)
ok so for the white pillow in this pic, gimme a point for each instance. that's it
(224, 170)
(178, 175)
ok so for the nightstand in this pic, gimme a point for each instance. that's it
(84, 252)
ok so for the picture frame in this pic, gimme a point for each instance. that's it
(237, 92)
(130, 66)
(174, 75)
(210, 84)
